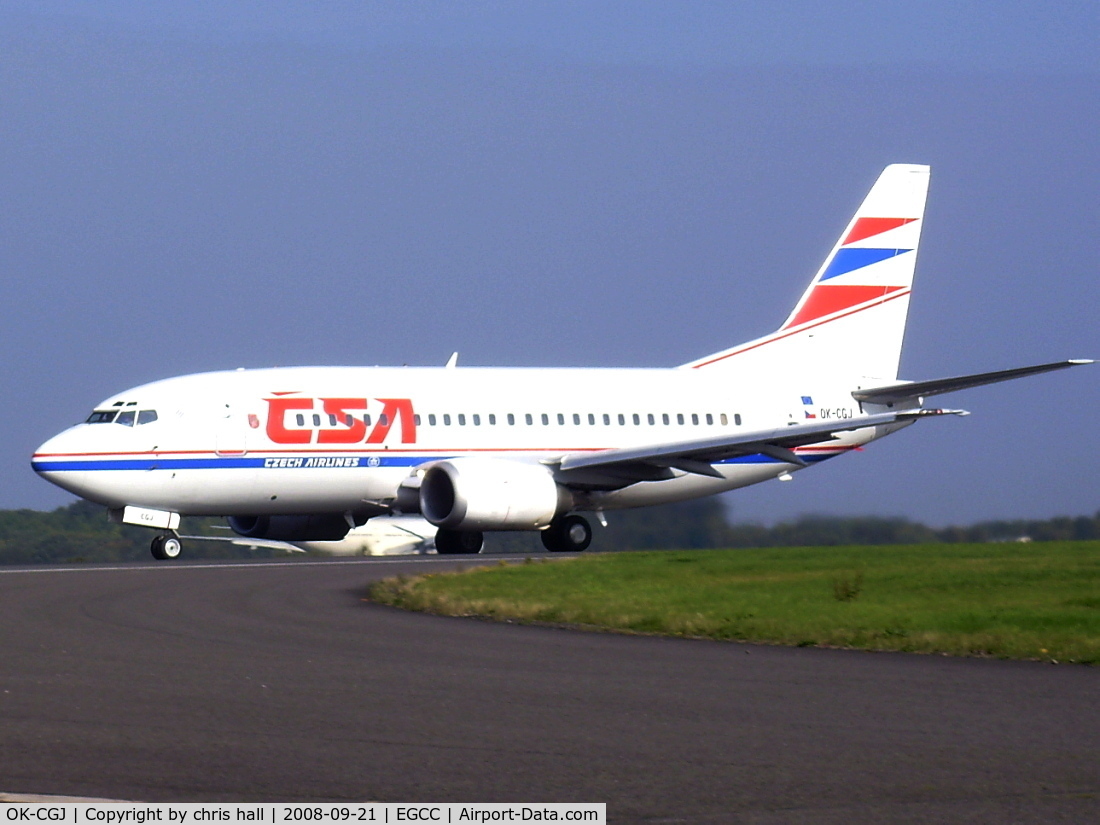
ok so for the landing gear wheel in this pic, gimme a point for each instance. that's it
(166, 547)
(452, 542)
(571, 534)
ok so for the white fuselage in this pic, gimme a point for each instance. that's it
(330, 439)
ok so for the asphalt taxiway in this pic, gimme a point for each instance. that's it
(276, 681)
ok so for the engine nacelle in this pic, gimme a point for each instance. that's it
(489, 494)
(314, 527)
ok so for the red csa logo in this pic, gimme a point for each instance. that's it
(340, 421)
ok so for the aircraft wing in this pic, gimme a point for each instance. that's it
(654, 462)
(266, 544)
(892, 393)
(422, 534)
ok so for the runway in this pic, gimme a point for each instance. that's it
(276, 681)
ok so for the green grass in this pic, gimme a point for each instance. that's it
(1018, 601)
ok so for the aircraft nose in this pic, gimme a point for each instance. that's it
(64, 461)
(46, 457)
(59, 456)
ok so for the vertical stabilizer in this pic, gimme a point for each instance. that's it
(851, 319)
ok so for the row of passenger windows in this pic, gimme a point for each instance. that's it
(130, 418)
(545, 418)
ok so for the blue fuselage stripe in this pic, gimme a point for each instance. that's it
(284, 462)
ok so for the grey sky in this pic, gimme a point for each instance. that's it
(192, 187)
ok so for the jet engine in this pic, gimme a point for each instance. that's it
(490, 494)
(314, 527)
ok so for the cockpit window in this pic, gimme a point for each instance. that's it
(127, 418)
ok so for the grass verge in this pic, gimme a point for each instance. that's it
(1017, 601)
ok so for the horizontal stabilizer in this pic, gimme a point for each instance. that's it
(893, 393)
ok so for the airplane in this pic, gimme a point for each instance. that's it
(305, 454)
(380, 536)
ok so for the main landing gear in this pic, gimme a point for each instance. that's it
(166, 547)
(452, 542)
(571, 534)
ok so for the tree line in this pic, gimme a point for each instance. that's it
(703, 523)
(80, 532)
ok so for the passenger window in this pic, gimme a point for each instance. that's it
(492, 419)
(606, 418)
(462, 419)
(300, 420)
(561, 418)
(679, 418)
(383, 420)
(695, 418)
(331, 420)
(147, 416)
(664, 418)
(710, 418)
(529, 419)
(316, 420)
(545, 419)
(446, 419)
(126, 419)
(576, 418)
(637, 418)
(366, 419)
(102, 417)
(723, 419)
(511, 420)
(737, 419)
(591, 418)
(431, 419)
(416, 419)
(622, 419)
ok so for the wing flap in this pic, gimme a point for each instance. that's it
(698, 456)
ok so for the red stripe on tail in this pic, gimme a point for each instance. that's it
(827, 299)
(867, 227)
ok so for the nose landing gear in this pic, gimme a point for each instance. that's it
(165, 547)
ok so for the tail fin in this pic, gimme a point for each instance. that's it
(851, 319)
